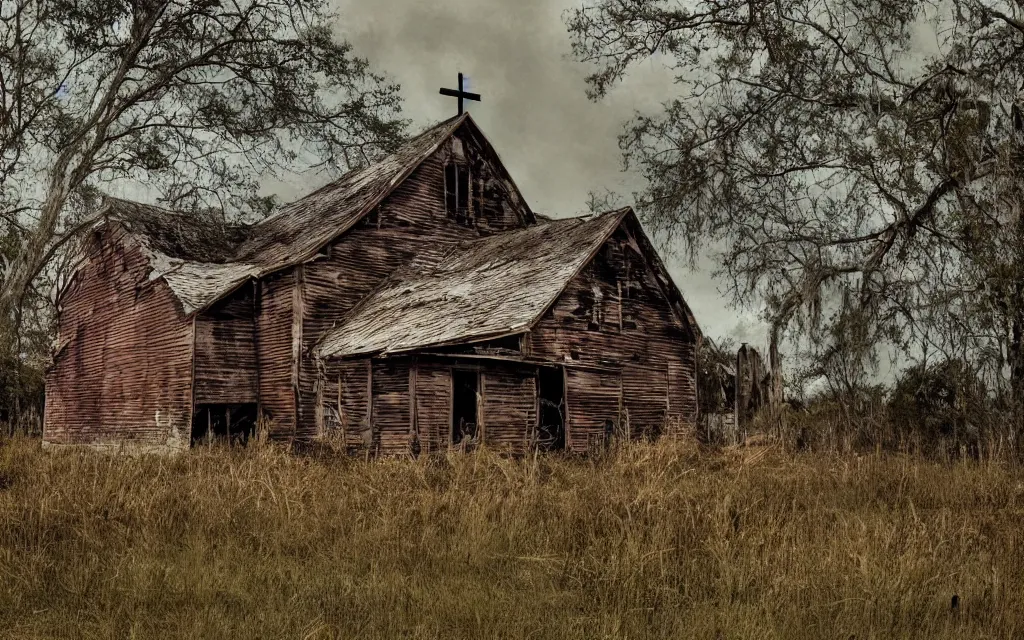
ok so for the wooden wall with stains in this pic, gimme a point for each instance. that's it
(509, 412)
(433, 407)
(274, 347)
(615, 316)
(390, 407)
(124, 371)
(225, 371)
(408, 400)
(593, 406)
(412, 221)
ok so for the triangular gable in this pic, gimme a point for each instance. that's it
(299, 230)
(631, 223)
(668, 286)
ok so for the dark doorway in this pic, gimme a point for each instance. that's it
(465, 385)
(233, 423)
(551, 393)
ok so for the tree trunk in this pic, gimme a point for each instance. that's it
(775, 371)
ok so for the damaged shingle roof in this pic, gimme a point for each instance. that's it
(187, 236)
(202, 260)
(300, 228)
(491, 287)
(187, 250)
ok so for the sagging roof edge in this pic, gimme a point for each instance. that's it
(387, 353)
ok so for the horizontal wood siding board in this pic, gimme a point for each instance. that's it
(225, 351)
(433, 406)
(390, 412)
(125, 373)
(510, 408)
(274, 356)
(593, 400)
(346, 402)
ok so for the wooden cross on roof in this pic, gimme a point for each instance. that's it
(461, 94)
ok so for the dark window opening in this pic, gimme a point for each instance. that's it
(457, 193)
(632, 291)
(465, 387)
(551, 394)
(229, 423)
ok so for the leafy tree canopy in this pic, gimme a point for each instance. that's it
(854, 163)
(192, 100)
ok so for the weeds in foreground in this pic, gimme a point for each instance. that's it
(657, 540)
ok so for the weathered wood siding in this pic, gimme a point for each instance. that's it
(390, 414)
(346, 402)
(593, 402)
(614, 315)
(509, 408)
(410, 222)
(274, 352)
(225, 351)
(433, 406)
(682, 387)
(125, 371)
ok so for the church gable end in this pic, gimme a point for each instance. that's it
(615, 315)
(478, 192)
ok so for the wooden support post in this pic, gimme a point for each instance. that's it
(481, 398)
(342, 416)
(414, 434)
(618, 286)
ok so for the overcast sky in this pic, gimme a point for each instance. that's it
(557, 145)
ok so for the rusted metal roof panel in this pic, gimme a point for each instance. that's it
(494, 286)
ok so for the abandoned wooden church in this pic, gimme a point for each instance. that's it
(410, 306)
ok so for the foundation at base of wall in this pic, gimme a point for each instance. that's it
(119, 448)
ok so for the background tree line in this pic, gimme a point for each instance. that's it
(854, 166)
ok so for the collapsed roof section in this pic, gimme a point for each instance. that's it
(188, 251)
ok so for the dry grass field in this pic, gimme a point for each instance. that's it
(659, 541)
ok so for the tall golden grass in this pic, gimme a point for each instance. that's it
(648, 541)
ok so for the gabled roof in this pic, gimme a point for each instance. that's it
(202, 263)
(496, 286)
